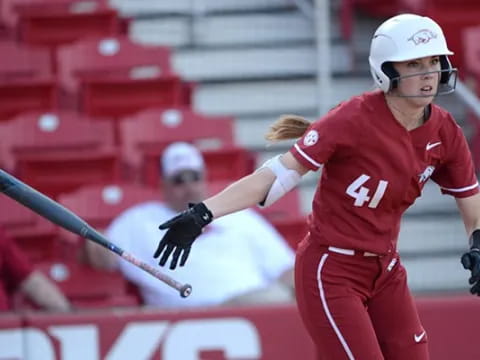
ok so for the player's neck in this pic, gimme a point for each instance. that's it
(409, 117)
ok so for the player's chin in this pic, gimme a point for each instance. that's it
(422, 98)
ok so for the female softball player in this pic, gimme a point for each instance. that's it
(377, 151)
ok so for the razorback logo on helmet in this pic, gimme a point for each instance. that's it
(422, 37)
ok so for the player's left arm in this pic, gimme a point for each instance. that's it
(470, 209)
(457, 178)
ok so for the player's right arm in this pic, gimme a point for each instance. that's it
(316, 143)
(271, 181)
(250, 190)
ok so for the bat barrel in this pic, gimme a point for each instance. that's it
(41, 204)
(56, 213)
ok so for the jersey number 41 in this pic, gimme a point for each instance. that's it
(360, 193)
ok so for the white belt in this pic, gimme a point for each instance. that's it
(350, 252)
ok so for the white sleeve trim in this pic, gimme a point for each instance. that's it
(308, 158)
(466, 188)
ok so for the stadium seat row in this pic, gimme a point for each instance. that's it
(99, 76)
(52, 23)
(84, 116)
(59, 151)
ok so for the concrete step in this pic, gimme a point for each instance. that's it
(433, 202)
(273, 97)
(228, 30)
(436, 274)
(432, 235)
(454, 105)
(255, 63)
(249, 132)
(168, 31)
(168, 7)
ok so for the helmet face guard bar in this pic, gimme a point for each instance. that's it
(444, 87)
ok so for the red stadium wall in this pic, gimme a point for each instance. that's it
(262, 333)
(452, 326)
(240, 333)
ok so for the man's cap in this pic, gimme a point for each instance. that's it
(181, 156)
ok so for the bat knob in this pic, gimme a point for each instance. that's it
(185, 290)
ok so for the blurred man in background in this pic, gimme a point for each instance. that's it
(18, 274)
(245, 259)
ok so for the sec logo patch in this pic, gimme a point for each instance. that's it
(311, 138)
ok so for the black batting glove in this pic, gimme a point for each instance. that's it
(182, 231)
(471, 261)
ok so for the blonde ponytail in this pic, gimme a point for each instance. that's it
(287, 127)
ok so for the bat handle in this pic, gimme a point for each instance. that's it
(184, 289)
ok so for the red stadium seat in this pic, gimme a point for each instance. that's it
(285, 214)
(26, 80)
(424, 6)
(286, 207)
(115, 77)
(56, 22)
(21, 62)
(287, 217)
(471, 39)
(292, 229)
(85, 286)
(453, 17)
(58, 152)
(33, 233)
(377, 8)
(144, 136)
(471, 47)
(98, 205)
(474, 138)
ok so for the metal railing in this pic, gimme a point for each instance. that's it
(318, 11)
(306, 7)
(198, 13)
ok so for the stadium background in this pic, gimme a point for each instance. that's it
(84, 113)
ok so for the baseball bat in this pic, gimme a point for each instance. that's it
(56, 213)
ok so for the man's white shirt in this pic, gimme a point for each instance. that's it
(235, 254)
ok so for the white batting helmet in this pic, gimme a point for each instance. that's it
(407, 37)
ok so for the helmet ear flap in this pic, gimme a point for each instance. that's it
(389, 70)
(446, 66)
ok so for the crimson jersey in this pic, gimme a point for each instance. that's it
(374, 169)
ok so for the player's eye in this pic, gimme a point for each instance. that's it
(435, 61)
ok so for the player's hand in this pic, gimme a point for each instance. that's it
(471, 261)
(182, 231)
